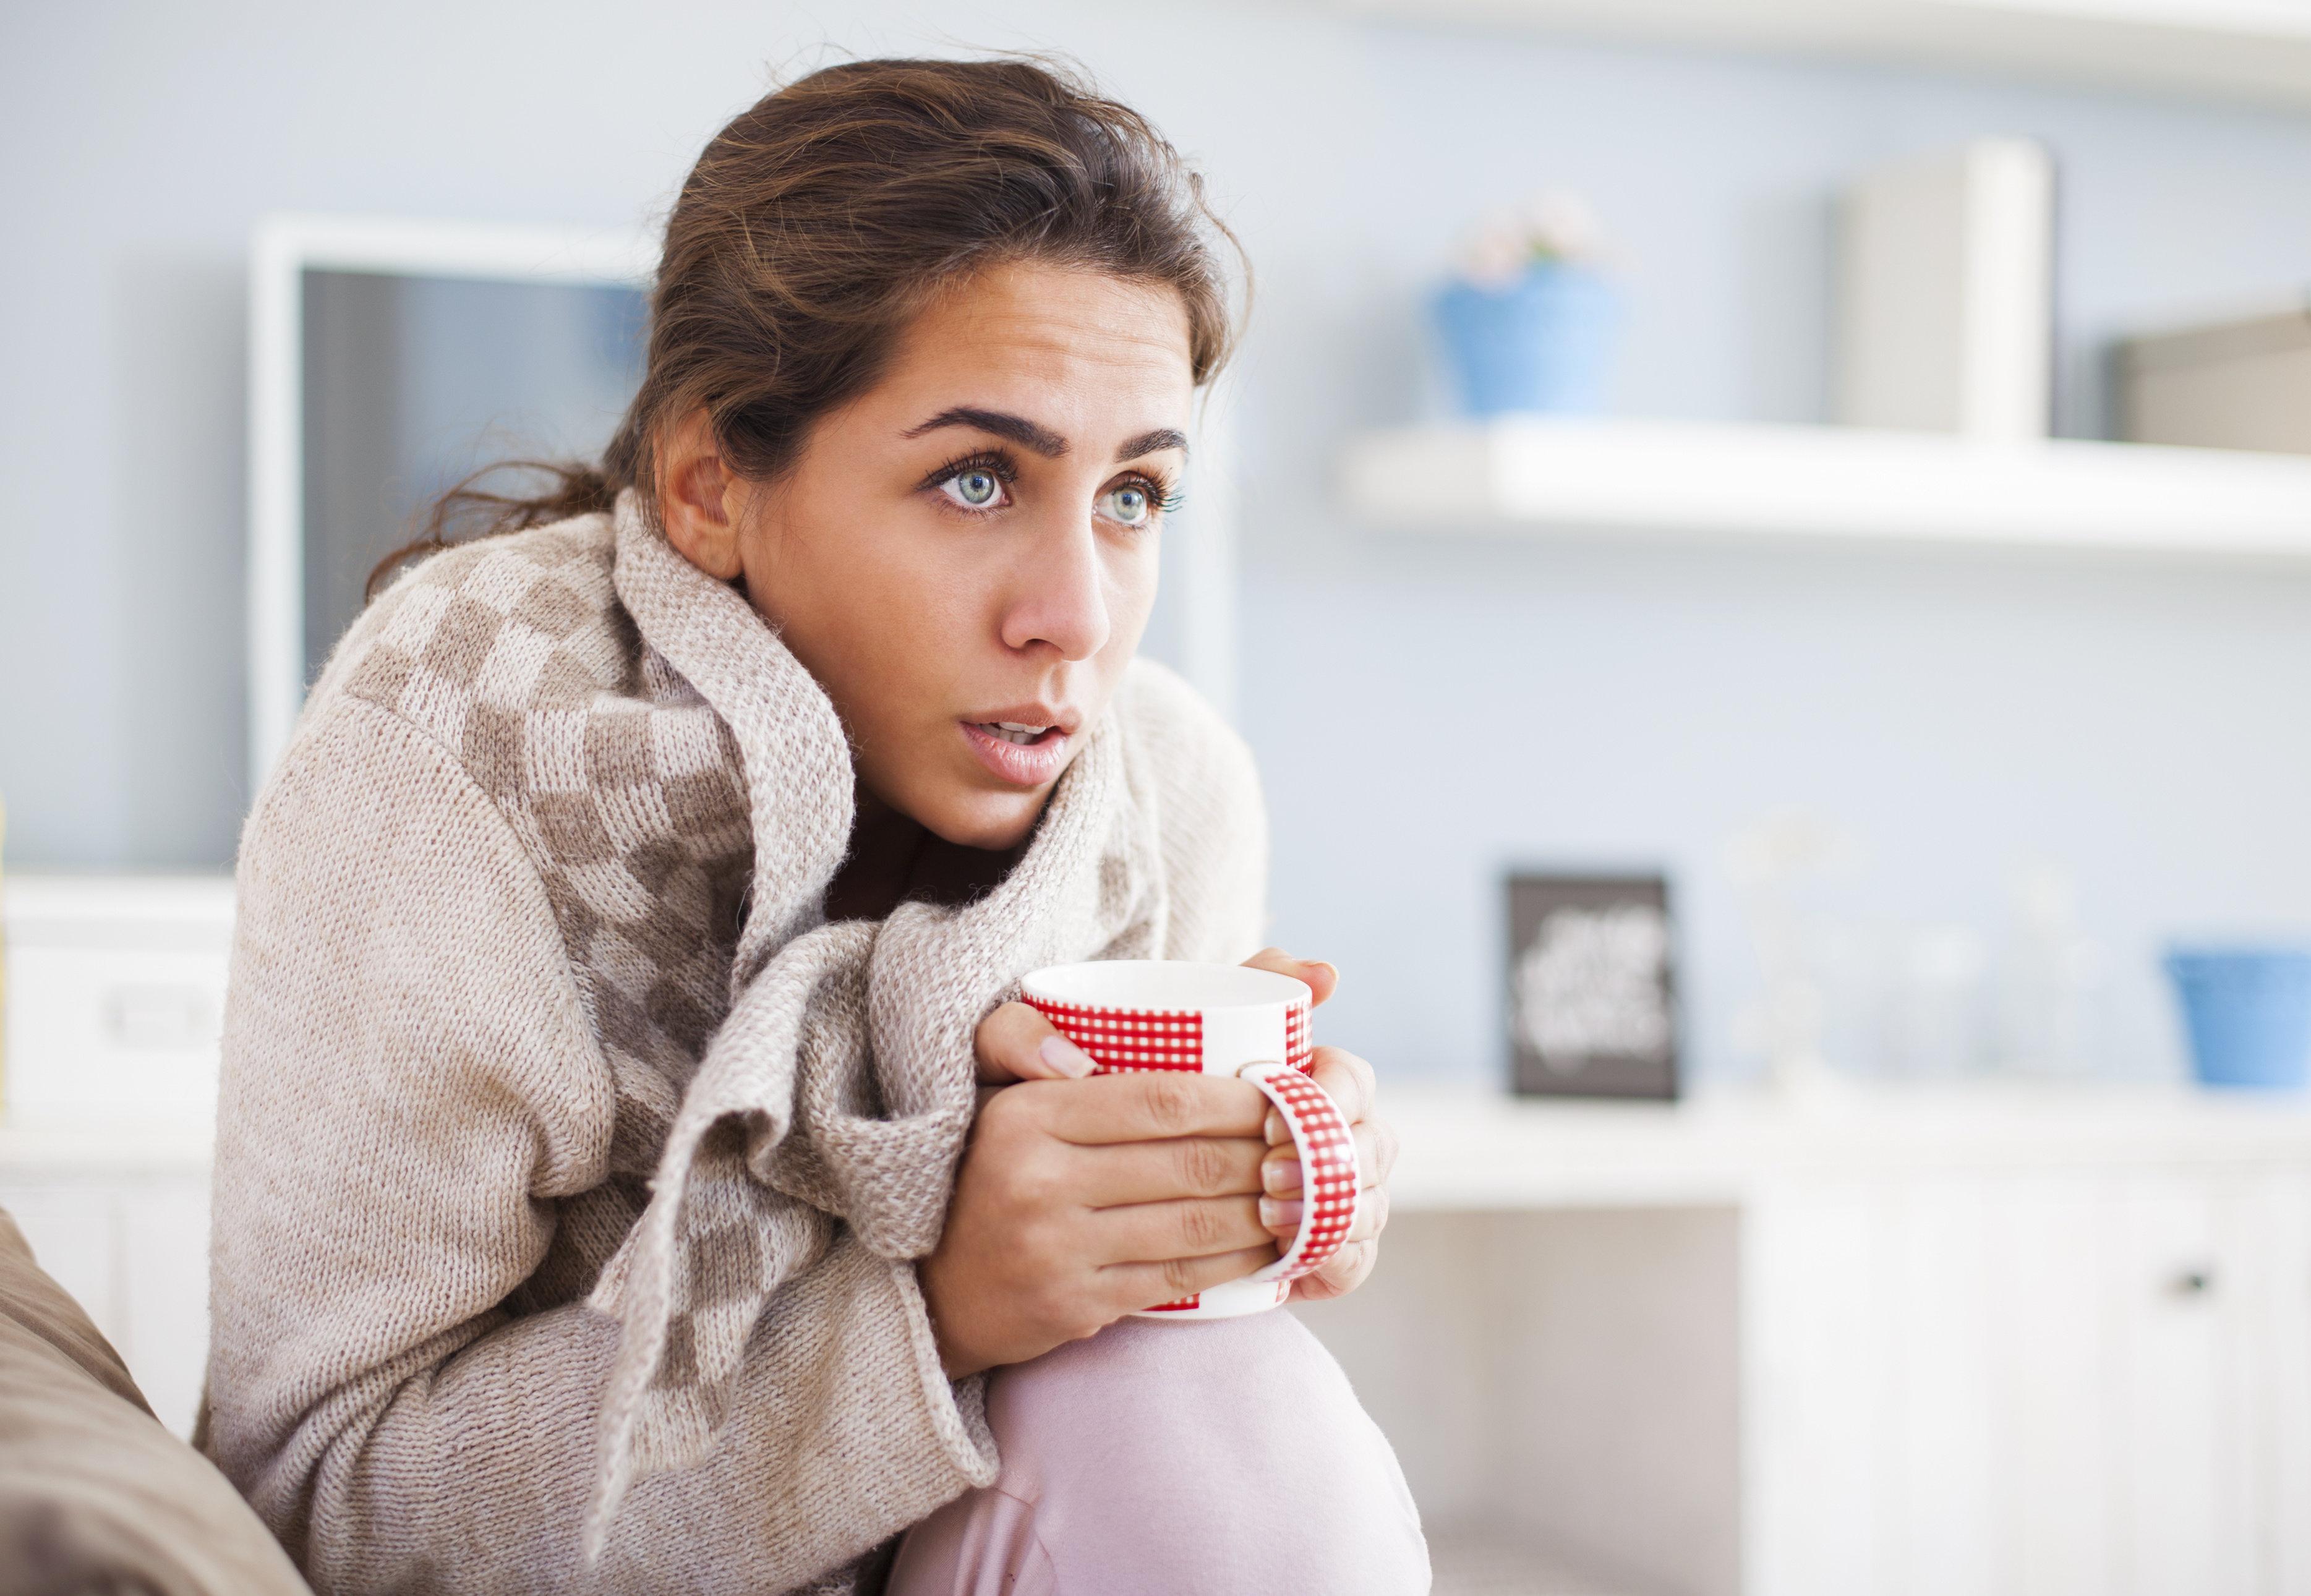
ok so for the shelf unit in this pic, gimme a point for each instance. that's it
(1976, 1338)
(2258, 51)
(1717, 481)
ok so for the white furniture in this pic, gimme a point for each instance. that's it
(1974, 1340)
(119, 1215)
(115, 991)
(2252, 50)
(1698, 481)
(113, 997)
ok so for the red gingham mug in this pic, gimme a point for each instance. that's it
(1218, 1019)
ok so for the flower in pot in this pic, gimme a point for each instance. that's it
(1529, 316)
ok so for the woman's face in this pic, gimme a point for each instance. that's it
(965, 556)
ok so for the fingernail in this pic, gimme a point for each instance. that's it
(1280, 1213)
(1273, 1131)
(1280, 1174)
(1065, 1056)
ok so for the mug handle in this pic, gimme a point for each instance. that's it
(1330, 1181)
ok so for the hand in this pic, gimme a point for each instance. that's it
(1080, 1201)
(1350, 1082)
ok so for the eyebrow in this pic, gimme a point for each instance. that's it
(1155, 442)
(1021, 431)
(1034, 435)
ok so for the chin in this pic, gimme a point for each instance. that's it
(992, 821)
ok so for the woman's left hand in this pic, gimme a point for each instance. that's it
(1349, 1081)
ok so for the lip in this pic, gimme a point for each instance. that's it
(1023, 764)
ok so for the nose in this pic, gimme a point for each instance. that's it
(1060, 597)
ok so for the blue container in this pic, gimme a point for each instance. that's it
(2248, 1011)
(1544, 343)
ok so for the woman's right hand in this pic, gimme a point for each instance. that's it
(1080, 1200)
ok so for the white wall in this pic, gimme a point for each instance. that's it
(1426, 713)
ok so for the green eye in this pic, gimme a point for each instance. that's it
(973, 488)
(1128, 506)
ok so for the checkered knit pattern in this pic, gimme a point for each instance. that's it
(775, 1076)
(626, 789)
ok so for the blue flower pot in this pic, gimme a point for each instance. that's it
(1545, 343)
(2248, 1011)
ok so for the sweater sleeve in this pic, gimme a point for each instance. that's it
(411, 1084)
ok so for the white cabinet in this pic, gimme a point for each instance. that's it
(114, 993)
(2280, 1420)
(132, 1246)
(1918, 1348)
(2025, 1383)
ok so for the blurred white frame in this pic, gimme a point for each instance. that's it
(1200, 576)
(285, 249)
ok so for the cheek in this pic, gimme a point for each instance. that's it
(863, 610)
(1132, 596)
(910, 629)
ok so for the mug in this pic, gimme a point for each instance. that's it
(1218, 1019)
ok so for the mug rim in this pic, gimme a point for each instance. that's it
(1166, 986)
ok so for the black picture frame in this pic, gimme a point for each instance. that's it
(1591, 986)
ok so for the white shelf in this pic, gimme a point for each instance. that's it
(1465, 1149)
(105, 1151)
(1469, 1148)
(1830, 485)
(2252, 51)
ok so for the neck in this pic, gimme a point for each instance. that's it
(894, 857)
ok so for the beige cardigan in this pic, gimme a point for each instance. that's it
(477, 962)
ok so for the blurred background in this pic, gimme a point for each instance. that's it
(1764, 550)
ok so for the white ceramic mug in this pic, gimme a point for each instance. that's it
(1218, 1019)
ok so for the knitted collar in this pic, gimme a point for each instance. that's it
(843, 1075)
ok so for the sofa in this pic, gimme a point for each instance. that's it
(97, 1498)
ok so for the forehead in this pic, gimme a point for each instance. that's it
(1078, 349)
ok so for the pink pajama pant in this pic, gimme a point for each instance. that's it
(1219, 1456)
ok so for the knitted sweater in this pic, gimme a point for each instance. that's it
(559, 812)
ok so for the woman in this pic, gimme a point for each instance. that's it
(628, 1167)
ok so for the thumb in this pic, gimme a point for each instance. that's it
(1320, 976)
(1016, 1044)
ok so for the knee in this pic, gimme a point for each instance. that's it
(1224, 1384)
(1236, 1444)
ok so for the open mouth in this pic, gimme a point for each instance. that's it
(1012, 731)
(1019, 753)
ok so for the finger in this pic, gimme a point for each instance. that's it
(1189, 1227)
(1149, 1106)
(1161, 1171)
(1282, 1216)
(1322, 976)
(1280, 1174)
(1346, 1080)
(1342, 1274)
(1344, 1077)
(1137, 1285)
(1016, 1043)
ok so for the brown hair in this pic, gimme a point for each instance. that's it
(817, 223)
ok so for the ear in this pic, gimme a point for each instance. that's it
(698, 497)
